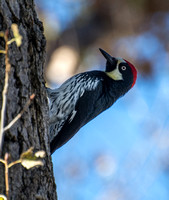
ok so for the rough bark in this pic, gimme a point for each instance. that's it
(26, 77)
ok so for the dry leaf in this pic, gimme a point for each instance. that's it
(31, 163)
(2, 197)
(27, 154)
(29, 159)
(17, 36)
(40, 154)
(2, 34)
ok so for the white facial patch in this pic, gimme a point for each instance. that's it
(115, 74)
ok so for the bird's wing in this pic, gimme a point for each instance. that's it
(87, 107)
(63, 100)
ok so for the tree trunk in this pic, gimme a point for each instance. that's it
(26, 77)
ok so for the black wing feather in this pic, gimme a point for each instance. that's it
(87, 107)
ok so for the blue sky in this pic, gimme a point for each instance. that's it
(123, 153)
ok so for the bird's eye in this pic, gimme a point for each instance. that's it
(123, 68)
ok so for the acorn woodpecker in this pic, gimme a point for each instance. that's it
(84, 96)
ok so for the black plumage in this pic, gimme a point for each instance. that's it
(84, 96)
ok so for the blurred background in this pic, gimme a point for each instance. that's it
(123, 154)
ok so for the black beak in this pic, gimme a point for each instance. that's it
(110, 60)
(108, 57)
(105, 54)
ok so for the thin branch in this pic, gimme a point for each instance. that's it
(14, 163)
(10, 41)
(7, 70)
(3, 51)
(2, 161)
(6, 175)
(20, 114)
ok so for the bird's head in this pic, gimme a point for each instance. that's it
(120, 69)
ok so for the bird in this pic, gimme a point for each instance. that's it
(85, 95)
